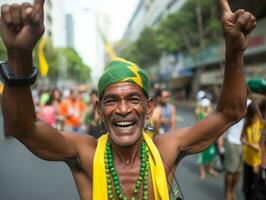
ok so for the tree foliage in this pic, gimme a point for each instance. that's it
(178, 32)
(144, 50)
(75, 67)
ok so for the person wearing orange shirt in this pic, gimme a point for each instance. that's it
(73, 110)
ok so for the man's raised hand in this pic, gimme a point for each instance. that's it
(236, 27)
(22, 25)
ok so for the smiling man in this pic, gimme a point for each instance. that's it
(125, 163)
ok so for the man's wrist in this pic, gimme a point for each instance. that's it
(233, 57)
(11, 80)
(20, 62)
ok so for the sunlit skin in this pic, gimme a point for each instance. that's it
(23, 25)
(125, 102)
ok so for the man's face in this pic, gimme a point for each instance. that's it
(124, 108)
(165, 97)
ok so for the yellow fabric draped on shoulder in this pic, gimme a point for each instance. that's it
(156, 167)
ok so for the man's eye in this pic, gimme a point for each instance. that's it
(109, 102)
(135, 100)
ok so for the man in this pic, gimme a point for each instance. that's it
(125, 163)
(166, 113)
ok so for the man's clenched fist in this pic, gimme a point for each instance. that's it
(22, 25)
(236, 26)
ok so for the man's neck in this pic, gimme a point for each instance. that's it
(126, 155)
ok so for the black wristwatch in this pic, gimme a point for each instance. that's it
(11, 80)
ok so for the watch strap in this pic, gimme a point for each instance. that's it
(11, 80)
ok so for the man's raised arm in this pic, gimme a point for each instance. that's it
(21, 28)
(231, 106)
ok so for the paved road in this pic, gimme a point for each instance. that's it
(25, 177)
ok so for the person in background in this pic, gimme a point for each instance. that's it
(166, 113)
(251, 151)
(48, 112)
(233, 158)
(44, 97)
(94, 126)
(208, 155)
(155, 119)
(73, 111)
(260, 179)
(56, 95)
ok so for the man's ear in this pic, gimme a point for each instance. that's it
(98, 108)
(151, 107)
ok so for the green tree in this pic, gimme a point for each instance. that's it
(76, 69)
(191, 28)
(144, 50)
(175, 32)
(188, 30)
(52, 57)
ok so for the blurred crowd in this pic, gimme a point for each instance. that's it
(69, 110)
(238, 152)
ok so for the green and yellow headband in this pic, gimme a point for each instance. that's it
(121, 70)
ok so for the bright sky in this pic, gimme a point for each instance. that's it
(117, 12)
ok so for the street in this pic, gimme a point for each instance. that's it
(25, 177)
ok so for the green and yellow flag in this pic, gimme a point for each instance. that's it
(43, 65)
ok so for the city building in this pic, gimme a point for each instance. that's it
(69, 31)
(149, 13)
(59, 23)
(186, 73)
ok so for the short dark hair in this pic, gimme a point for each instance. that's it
(94, 92)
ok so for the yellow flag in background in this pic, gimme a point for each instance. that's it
(108, 47)
(1, 88)
(110, 51)
(43, 65)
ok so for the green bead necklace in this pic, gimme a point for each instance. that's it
(112, 176)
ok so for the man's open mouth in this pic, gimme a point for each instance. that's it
(124, 124)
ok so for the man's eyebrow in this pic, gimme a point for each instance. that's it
(134, 93)
(111, 95)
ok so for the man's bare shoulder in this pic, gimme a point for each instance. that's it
(170, 135)
(86, 147)
(169, 143)
(81, 140)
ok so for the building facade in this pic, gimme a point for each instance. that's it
(69, 31)
(149, 13)
(187, 73)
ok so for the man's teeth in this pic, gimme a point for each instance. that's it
(124, 123)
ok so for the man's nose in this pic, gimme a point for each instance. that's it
(123, 108)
